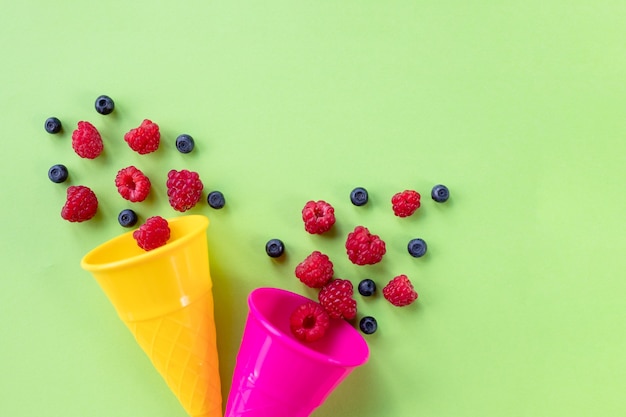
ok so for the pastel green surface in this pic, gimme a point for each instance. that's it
(517, 106)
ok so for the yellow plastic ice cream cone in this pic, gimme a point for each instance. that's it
(164, 297)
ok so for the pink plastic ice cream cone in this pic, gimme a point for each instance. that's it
(276, 374)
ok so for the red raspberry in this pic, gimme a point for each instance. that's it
(363, 247)
(315, 271)
(309, 322)
(86, 141)
(336, 298)
(184, 189)
(155, 232)
(318, 216)
(399, 291)
(405, 203)
(81, 204)
(145, 138)
(132, 184)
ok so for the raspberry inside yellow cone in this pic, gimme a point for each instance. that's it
(164, 297)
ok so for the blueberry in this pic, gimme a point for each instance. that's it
(52, 125)
(440, 193)
(127, 218)
(57, 173)
(368, 325)
(184, 143)
(274, 248)
(367, 287)
(359, 196)
(417, 247)
(216, 199)
(104, 105)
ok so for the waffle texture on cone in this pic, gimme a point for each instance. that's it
(181, 347)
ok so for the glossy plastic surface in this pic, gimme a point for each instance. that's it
(164, 297)
(276, 374)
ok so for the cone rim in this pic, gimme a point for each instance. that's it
(300, 347)
(203, 223)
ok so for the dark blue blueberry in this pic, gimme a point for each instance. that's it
(216, 199)
(367, 287)
(127, 218)
(104, 105)
(184, 143)
(417, 247)
(274, 248)
(52, 125)
(368, 325)
(359, 196)
(440, 193)
(57, 173)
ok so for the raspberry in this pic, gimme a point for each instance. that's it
(318, 216)
(86, 141)
(155, 232)
(336, 298)
(81, 204)
(405, 203)
(309, 322)
(145, 138)
(184, 189)
(363, 247)
(399, 291)
(132, 184)
(315, 271)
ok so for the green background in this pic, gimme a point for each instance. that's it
(518, 106)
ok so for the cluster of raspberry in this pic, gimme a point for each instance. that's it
(310, 321)
(184, 187)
